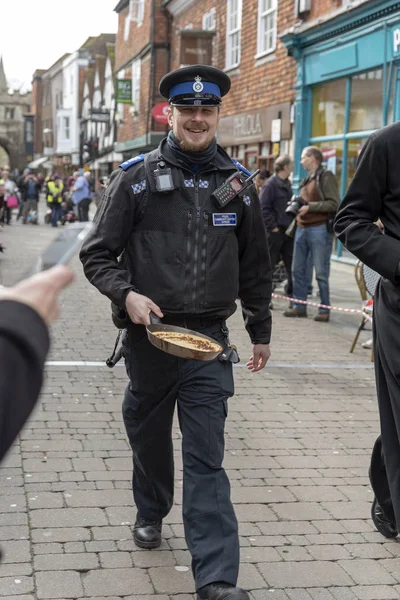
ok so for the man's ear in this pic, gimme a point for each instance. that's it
(170, 116)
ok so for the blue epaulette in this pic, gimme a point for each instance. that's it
(240, 167)
(132, 161)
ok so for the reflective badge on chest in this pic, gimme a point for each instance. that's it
(224, 219)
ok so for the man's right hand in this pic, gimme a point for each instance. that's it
(275, 230)
(139, 307)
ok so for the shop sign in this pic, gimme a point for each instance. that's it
(100, 116)
(396, 40)
(256, 126)
(160, 112)
(276, 130)
(124, 91)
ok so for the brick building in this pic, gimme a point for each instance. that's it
(157, 36)
(142, 56)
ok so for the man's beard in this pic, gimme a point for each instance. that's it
(189, 147)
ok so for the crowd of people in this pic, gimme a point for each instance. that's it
(64, 198)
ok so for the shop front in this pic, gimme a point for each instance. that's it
(256, 137)
(348, 84)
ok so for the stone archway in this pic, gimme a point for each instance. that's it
(8, 147)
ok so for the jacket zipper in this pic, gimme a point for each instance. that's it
(186, 299)
(196, 241)
(203, 260)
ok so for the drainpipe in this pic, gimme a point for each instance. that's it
(153, 70)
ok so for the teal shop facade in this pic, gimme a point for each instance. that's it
(348, 83)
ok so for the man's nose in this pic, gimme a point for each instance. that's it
(197, 115)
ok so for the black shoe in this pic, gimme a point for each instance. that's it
(387, 528)
(147, 534)
(221, 591)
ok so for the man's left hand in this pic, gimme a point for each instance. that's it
(261, 354)
(303, 210)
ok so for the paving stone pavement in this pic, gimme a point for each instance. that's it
(299, 436)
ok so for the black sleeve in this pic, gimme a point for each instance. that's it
(24, 343)
(255, 275)
(267, 196)
(361, 208)
(100, 251)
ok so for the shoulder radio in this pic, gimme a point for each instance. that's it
(234, 186)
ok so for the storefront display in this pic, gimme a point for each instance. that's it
(348, 84)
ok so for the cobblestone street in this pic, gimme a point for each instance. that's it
(299, 437)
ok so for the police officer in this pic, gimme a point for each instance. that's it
(187, 259)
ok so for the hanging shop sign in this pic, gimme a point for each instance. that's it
(160, 112)
(124, 91)
(98, 115)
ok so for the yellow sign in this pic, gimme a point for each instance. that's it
(275, 149)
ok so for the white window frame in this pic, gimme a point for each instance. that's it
(136, 75)
(209, 21)
(136, 11)
(233, 34)
(67, 128)
(263, 18)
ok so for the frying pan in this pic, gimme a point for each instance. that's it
(172, 348)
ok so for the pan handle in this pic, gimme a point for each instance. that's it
(154, 320)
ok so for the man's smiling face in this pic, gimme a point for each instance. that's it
(194, 126)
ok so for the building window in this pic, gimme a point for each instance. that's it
(267, 10)
(136, 11)
(66, 128)
(233, 31)
(136, 71)
(209, 20)
(9, 114)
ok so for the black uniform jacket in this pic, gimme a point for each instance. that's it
(274, 197)
(181, 249)
(374, 193)
(24, 343)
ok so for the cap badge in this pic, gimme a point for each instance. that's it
(198, 86)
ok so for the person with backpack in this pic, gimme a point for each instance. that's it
(187, 255)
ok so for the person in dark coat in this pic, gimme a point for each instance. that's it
(187, 258)
(274, 197)
(26, 311)
(373, 194)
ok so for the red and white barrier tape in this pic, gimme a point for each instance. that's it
(336, 308)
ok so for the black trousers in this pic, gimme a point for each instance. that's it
(83, 209)
(281, 245)
(158, 382)
(385, 461)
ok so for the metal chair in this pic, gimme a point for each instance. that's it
(367, 280)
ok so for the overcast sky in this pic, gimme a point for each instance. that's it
(34, 34)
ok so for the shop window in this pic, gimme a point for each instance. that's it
(233, 33)
(366, 101)
(266, 41)
(354, 148)
(328, 108)
(332, 152)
